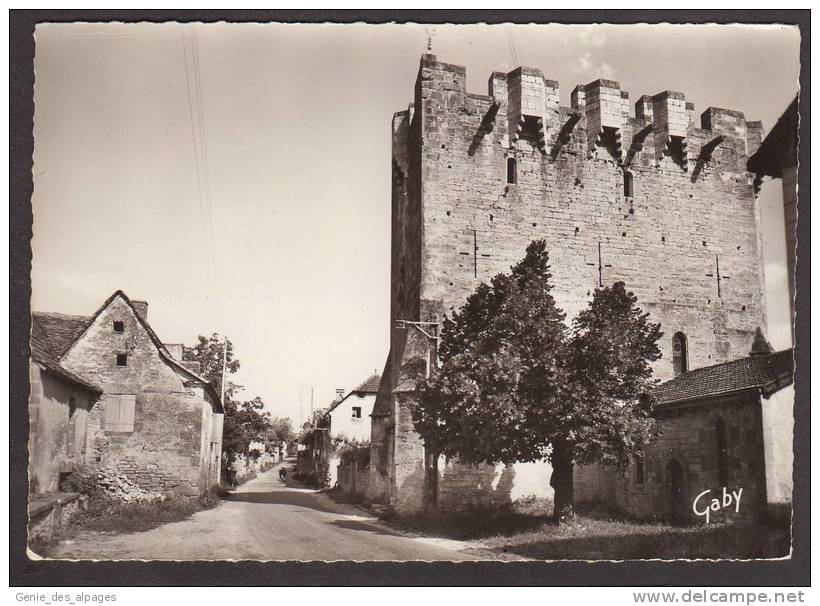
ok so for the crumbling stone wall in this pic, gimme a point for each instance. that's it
(685, 238)
(173, 418)
(129, 482)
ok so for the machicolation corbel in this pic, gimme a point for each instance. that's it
(565, 134)
(487, 125)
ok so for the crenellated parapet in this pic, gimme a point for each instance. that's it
(524, 105)
(603, 104)
(671, 126)
(532, 105)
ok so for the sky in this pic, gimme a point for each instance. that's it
(237, 176)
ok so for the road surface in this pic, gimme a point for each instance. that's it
(266, 520)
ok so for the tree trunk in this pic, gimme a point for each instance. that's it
(562, 483)
(431, 480)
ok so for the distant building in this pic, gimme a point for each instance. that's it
(156, 421)
(350, 416)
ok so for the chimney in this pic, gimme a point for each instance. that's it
(142, 308)
(760, 346)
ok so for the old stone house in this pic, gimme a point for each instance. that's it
(156, 421)
(727, 425)
(656, 198)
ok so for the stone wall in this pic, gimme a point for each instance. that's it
(778, 441)
(49, 515)
(352, 479)
(686, 240)
(56, 438)
(173, 419)
(689, 436)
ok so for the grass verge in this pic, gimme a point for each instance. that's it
(526, 529)
(108, 515)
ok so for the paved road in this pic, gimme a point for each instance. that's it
(266, 520)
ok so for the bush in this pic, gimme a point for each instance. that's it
(353, 451)
(82, 480)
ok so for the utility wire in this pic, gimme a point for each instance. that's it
(511, 44)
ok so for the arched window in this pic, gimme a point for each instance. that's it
(628, 184)
(680, 361)
(512, 172)
(722, 452)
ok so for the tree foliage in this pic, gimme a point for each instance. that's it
(209, 353)
(516, 384)
(281, 431)
(245, 421)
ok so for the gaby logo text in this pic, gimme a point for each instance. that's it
(702, 506)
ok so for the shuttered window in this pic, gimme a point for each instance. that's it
(119, 412)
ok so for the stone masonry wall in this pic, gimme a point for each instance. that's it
(56, 441)
(689, 436)
(664, 242)
(687, 241)
(163, 451)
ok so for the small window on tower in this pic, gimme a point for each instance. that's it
(512, 174)
(122, 359)
(627, 185)
(357, 412)
(680, 362)
(119, 326)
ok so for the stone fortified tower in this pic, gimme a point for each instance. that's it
(656, 200)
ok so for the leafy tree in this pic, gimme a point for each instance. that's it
(281, 431)
(209, 353)
(244, 422)
(516, 385)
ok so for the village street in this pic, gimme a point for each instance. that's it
(266, 520)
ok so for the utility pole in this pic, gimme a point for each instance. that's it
(311, 403)
(224, 368)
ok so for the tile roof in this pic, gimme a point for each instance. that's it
(56, 332)
(371, 385)
(40, 354)
(766, 372)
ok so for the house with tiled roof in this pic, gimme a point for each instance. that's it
(346, 420)
(726, 425)
(152, 417)
(350, 415)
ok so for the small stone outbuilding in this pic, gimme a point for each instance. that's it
(726, 426)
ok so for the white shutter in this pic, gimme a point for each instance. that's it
(127, 406)
(119, 412)
(112, 412)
